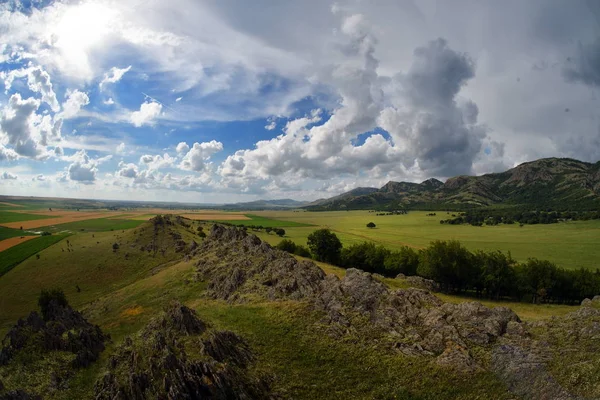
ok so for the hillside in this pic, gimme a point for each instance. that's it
(264, 205)
(561, 183)
(244, 320)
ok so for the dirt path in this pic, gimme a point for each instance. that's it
(8, 243)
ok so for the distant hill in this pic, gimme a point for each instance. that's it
(561, 183)
(265, 205)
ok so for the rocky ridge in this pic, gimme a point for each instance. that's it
(467, 337)
(178, 356)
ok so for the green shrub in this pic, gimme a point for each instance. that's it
(47, 297)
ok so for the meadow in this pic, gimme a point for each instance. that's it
(570, 245)
(13, 256)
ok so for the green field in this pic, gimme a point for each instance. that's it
(7, 233)
(94, 225)
(7, 216)
(13, 256)
(569, 244)
(266, 222)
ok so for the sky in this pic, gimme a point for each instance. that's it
(220, 101)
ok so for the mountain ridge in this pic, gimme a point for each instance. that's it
(547, 182)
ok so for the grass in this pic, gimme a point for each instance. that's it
(94, 225)
(570, 245)
(288, 343)
(13, 256)
(91, 265)
(122, 295)
(266, 222)
(7, 216)
(7, 233)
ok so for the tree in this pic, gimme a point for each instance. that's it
(302, 251)
(286, 245)
(325, 246)
(48, 297)
(497, 273)
(280, 232)
(371, 225)
(448, 263)
(404, 261)
(115, 246)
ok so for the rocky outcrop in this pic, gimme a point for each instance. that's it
(63, 330)
(237, 264)
(413, 320)
(178, 356)
(420, 282)
(466, 337)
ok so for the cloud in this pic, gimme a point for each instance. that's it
(18, 127)
(109, 101)
(418, 109)
(182, 148)
(197, 157)
(7, 154)
(120, 148)
(426, 122)
(584, 67)
(271, 125)
(114, 75)
(157, 161)
(38, 81)
(146, 115)
(83, 169)
(128, 170)
(178, 99)
(76, 100)
(8, 175)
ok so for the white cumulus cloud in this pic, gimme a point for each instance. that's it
(146, 115)
(197, 157)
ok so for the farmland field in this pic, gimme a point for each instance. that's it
(8, 217)
(16, 254)
(569, 244)
(265, 222)
(94, 225)
(6, 233)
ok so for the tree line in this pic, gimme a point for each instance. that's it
(511, 216)
(492, 274)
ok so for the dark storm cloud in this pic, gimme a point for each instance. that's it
(584, 67)
(445, 138)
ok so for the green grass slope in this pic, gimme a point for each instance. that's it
(88, 261)
(11, 257)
